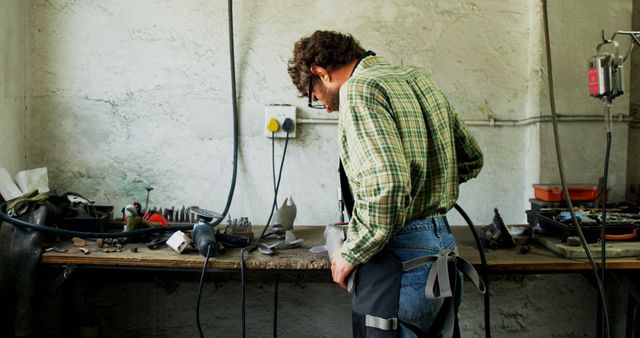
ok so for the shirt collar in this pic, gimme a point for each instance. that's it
(366, 54)
(368, 62)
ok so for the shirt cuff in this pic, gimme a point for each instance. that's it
(354, 257)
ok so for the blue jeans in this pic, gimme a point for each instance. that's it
(422, 237)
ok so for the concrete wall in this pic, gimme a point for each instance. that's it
(124, 95)
(12, 84)
(131, 95)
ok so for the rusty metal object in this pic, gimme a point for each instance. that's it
(78, 242)
(118, 248)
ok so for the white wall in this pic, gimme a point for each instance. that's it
(133, 94)
(634, 132)
(12, 85)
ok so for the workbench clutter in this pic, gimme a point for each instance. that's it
(551, 218)
(32, 221)
(69, 211)
(25, 181)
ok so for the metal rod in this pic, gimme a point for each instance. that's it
(146, 204)
(492, 122)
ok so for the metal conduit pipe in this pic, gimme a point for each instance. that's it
(492, 122)
(317, 120)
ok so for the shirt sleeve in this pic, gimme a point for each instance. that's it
(468, 153)
(372, 150)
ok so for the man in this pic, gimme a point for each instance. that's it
(405, 151)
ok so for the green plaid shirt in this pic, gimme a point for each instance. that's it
(404, 149)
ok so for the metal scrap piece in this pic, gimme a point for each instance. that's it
(56, 249)
(84, 250)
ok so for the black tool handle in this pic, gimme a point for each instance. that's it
(233, 240)
(203, 237)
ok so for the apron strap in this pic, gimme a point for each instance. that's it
(440, 273)
(381, 323)
(442, 283)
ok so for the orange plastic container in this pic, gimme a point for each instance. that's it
(553, 192)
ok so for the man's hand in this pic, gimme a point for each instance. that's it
(340, 269)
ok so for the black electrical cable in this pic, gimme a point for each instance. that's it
(603, 233)
(234, 100)
(204, 269)
(275, 197)
(556, 137)
(485, 270)
(262, 236)
(83, 234)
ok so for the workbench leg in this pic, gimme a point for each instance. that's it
(275, 307)
(632, 330)
(599, 317)
(67, 289)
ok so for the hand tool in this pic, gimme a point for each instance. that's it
(157, 243)
(203, 235)
(146, 204)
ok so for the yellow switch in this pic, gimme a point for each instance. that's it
(273, 125)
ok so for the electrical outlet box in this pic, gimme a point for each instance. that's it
(280, 112)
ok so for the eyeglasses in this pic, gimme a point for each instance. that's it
(312, 104)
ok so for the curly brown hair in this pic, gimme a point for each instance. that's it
(327, 49)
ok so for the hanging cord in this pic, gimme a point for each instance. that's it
(262, 236)
(234, 99)
(275, 197)
(204, 270)
(485, 270)
(556, 138)
(603, 233)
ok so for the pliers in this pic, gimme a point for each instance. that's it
(157, 243)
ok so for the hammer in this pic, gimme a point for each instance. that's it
(146, 204)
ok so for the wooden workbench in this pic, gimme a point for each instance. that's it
(538, 260)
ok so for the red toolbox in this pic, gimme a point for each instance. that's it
(553, 192)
